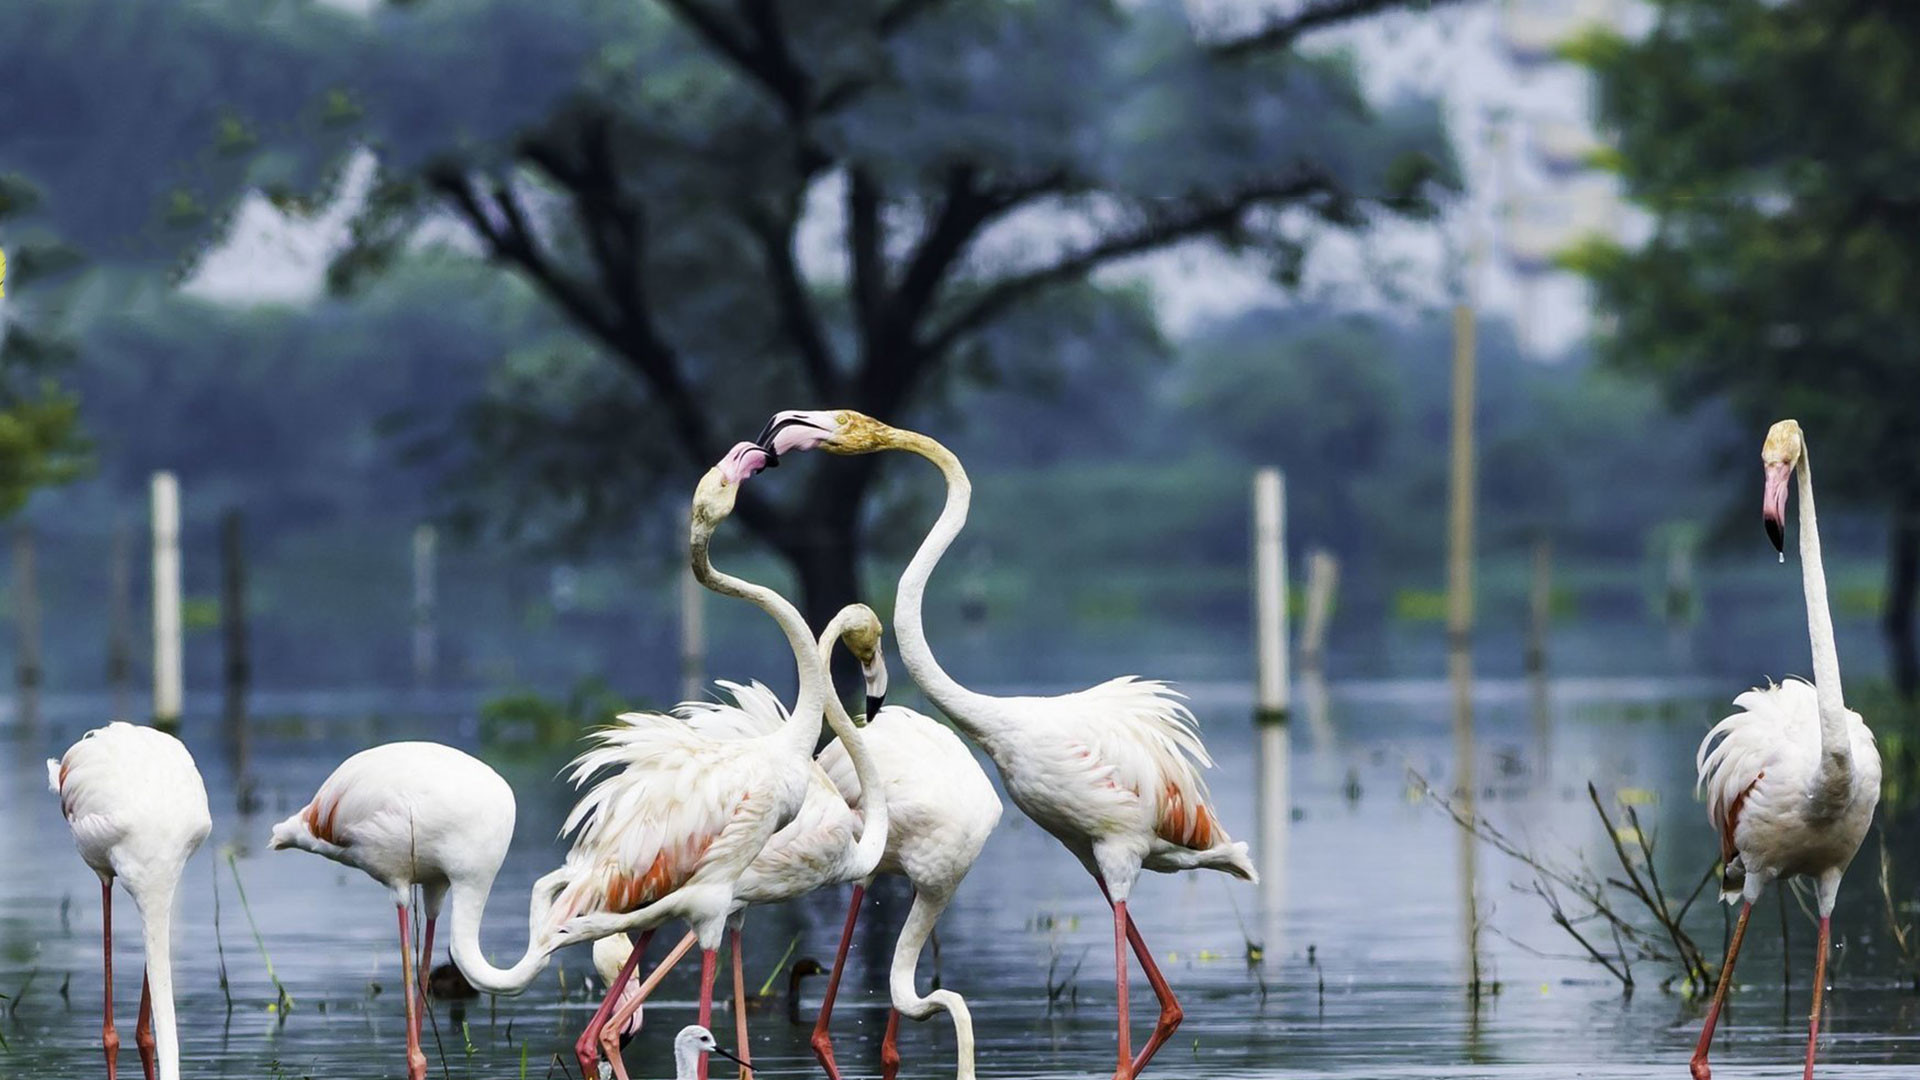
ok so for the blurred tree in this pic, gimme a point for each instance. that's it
(749, 205)
(1777, 146)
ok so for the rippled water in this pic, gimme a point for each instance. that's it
(1363, 928)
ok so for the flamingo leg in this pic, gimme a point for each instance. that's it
(1170, 1014)
(416, 1059)
(822, 1039)
(109, 1038)
(890, 1047)
(1125, 1069)
(617, 1022)
(1819, 988)
(143, 1028)
(740, 1008)
(708, 961)
(585, 1047)
(1699, 1064)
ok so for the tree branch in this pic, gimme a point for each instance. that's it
(866, 252)
(1317, 15)
(1198, 220)
(795, 301)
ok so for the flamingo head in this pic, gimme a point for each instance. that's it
(838, 431)
(862, 638)
(1779, 456)
(714, 497)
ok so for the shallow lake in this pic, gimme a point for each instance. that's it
(1363, 925)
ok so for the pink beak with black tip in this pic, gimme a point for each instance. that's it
(1773, 505)
(742, 462)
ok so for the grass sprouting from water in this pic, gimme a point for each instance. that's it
(284, 1002)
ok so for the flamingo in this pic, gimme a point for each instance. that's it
(1113, 771)
(826, 844)
(138, 811)
(1793, 781)
(942, 809)
(681, 816)
(422, 815)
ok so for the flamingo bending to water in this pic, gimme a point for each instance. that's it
(1793, 781)
(1113, 772)
(422, 815)
(138, 811)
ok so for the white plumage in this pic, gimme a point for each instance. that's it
(138, 810)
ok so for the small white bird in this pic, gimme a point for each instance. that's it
(422, 815)
(689, 1048)
(1792, 783)
(138, 810)
(1113, 771)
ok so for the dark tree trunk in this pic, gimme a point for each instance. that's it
(824, 548)
(1903, 580)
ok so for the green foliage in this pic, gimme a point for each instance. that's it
(526, 717)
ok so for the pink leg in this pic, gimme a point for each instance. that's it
(1125, 1069)
(822, 1040)
(109, 1038)
(143, 1029)
(708, 961)
(740, 1007)
(617, 1022)
(1819, 988)
(1699, 1064)
(416, 1059)
(890, 1047)
(587, 1048)
(1170, 1014)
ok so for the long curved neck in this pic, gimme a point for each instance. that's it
(469, 906)
(958, 702)
(803, 724)
(872, 845)
(156, 916)
(1836, 745)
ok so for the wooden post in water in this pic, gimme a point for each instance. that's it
(1540, 603)
(26, 621)
(168, 677)
(1460, 499)
(426, 644)
(238, 666)
(1323, 577)
(120, 620)
(1270, 597)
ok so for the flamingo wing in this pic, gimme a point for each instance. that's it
(1773, 724)
(669, 801)
(755, 711)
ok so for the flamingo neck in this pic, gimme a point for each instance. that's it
(1836, 758)
(469, 907)
(872, 846)
(156, 916)
(906, 997)
(802, 731)
(962, 705)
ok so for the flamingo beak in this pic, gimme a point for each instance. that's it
(876, 673)
(744, 460)
(1773, 505)
(794, 429)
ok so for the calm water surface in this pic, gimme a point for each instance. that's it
(1362, 926)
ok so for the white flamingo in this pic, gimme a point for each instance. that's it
(681, 816)
(1792, 784)
(422, 815)
(138, 811)
(828, 843)
(942, 808)
(1113, 772)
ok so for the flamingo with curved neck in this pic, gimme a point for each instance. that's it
(1793, 778)
(1113, 771)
